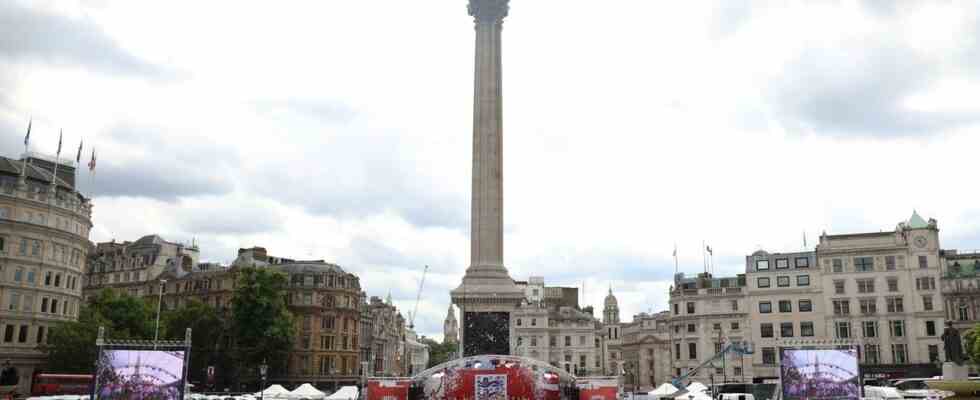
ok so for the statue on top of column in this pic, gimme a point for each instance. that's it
(488, 10)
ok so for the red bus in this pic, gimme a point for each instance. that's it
(58, 384)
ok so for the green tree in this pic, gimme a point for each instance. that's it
(207, 331)
(71, 345)
(971, 344)
(262, 324)
(439, 352)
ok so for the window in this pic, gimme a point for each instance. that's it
(925, 283)
(930, 328)
(765, 330)
(581, 361)
(963, 313)
(895, 305)
(864, 264)
(869, 306)
(802, 262)
(677, 329)
(892, 284)
(28, 303)
(870, 329)
(805, 306)
(890, 263)
(923, 262)
(842, 307)
(22, 335)
(734, 326)
(47, 278)
(803, 280)
(14, 302)
(581, 340)
(716, 327)
(690, 307)
(568, 341)
(761, 265)
(40, 334)
(734, 304)
(782, 281)
(838, 265)
(18, 274)
(933, 353)
(782, 263)
(677, 351)
(676, 309)
(785, 306)
(737, 371)
(8, 334)
(534, 341)
(871, 354)
(866, 285)
(518, 322)
(927, 303)
(520, 340)
(552, 341)
(763, 282)
(786, 329)
(900, 353)
(717, 347)
(690, 328)
(769, 355)
(839, 287)
(765, 307)
(44, 304)
(843, 329)
(806, 329)
(30, 276)
(57, 280)
(692, 351)
(897, 328)
(534, 322)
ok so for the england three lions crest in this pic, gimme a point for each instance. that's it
(491, 387)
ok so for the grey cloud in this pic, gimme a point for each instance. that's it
(37, 35)
(857, 90)
(171, 168)
(360, 176)
(230, 219)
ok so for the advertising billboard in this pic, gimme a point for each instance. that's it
(140, 374)
(820, 374)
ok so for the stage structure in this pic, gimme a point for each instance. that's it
(824, 374)
(141, 369)
(479, 378)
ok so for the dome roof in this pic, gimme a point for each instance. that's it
(611, 300)
(308, 268)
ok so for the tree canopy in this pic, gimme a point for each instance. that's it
(262, 324)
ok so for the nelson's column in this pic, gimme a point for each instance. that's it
(487, 295)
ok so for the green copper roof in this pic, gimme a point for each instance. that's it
(963, 267)
(916, 222)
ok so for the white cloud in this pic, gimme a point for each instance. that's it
(344, 131)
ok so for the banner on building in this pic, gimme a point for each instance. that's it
(597, 388)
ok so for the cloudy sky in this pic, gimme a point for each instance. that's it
(342, 130)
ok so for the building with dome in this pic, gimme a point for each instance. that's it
(44, 230)
(610, 309)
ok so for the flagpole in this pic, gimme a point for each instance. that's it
(54, 176)
(676, 269)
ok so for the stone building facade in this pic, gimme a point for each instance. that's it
(645, 350)
(135, 268)
(960, 286)
(386, 338)
(785, 305)
(706, 312)
(881, 294)
(44, 230)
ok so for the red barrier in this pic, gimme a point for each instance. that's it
(388, 389)
(597, 388)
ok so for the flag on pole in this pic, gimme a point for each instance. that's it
(61, 135)
(78, 157)
(804, 239)
(675, 250)
(91, 163)
(27, 138)
(708, 248)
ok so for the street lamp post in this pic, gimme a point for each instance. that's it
(263, 369)
(156, 334)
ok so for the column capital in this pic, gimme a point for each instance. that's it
(488, 10)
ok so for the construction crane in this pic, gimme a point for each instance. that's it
(738, 348)
(418, 298)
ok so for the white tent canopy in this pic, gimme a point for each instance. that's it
(307, 391)
(276, 392)
(693, 395)
(696, 387)
(663, 390)
(345, 393)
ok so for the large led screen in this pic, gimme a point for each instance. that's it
(486, 333)
(820, 374)
(141, 375)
